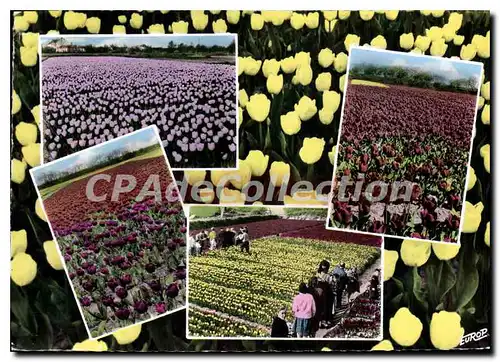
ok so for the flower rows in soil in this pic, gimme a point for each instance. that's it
(125, 259)
(419, 137)
(253, 287)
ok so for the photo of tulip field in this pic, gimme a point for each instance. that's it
(233, 293)
(442, 291)
(98, 88)
(125, 257)
(408, 120)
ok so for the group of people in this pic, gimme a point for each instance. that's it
(314, 306)
(224, 238)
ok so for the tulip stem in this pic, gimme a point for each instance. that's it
(261, 135)
(310, 172)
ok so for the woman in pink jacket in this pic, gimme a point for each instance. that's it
(304, 309)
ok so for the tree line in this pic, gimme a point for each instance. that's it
(398, 75)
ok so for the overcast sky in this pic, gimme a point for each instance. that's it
(450, 69)
(131, 142)
(157, 41)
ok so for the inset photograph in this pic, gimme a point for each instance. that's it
(95, 88)
(404, 145)
(116, 216)
(274, 272)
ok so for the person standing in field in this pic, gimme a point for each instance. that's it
(303, 308)
(245, 242)
(279, 328)
(212, 235)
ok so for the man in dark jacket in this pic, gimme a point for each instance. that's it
(279, 327)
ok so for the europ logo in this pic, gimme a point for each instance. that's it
(474, 336)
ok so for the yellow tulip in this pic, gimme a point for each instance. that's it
(306, 108)
(331, 100)
(379, 42)
(119, 29)
(434, 33)
(471, 179)
(449, 32)
(351, 40)
(311, 150)
(18, 242)
(240, 116)
(304, 74)
(128, 335)
(90, 345)
(455, 20)
(256, 21)
(312, 20)
(406, 41)
(330, 14)
(437, 13)
(228, 196)
(390, 259)
(181, 27)
(20, 23)
(438, 48)
(194, 177)
(242, 98)
(18, 171)
(468, 52)
(303, 58)
(199, 19)
(288, 65)
(344, 14)
(458, 40)
(297, 21)
(405, 329)
(342, 83)
(482, 44)
(136, 21)
(252, 66)
(270, 67)
(30, 40)
(215, 12)
(31, 154)
(423, 43)
(22, 269)
(366, 15)
(258, 162)
(218, 178)
(29, 56)
(156, 29)
(445, 330)
(258, 107)
(26, 133)
(39, 210)
(331, 155)
(340, 63)
(415, 252)
(384, 345)
(487, 234)
(485, 91)
(233, 16)
(472, 217)
(122, 19)
(326, 57)
(55, 13)
(206, 195)
(93, 25)
(485, 115)
(50, 248)
(73, 20)
(425, 12)
(323, 82)
(330, 25)
(290, 123)
(445, 251)
(31, 16)
(391, 14)
(219, 26)
(326, 116)
(279, 173)
(274, 83)
(16, 102)
(485, 154)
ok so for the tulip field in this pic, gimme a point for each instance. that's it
(237, 294)
(88, 100)
(125, 259)
(416, 135)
